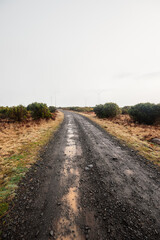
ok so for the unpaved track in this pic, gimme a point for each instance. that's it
(87, 186)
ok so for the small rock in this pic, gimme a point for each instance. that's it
(37, 233)
(90, 166)
(114, 158)
(86, 169)
(123, 209)
(87, 236)
(156, 232)
(51, 233)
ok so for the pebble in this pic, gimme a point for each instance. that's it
(37, 233)
(123, 209)
(86, 168)
(87, 236)
(51, 233)
(90, 166)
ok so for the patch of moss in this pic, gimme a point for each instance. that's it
(3, 208)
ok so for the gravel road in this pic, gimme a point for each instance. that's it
(86, 185)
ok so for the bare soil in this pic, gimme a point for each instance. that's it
(87, 185)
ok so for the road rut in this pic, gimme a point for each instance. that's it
(87, 185)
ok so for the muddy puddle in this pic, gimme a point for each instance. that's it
(66, 226)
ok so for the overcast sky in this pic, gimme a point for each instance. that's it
(81, 52)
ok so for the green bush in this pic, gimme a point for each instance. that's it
(18, 113)
(157, 111)
(146, 113)
(111, 110)
(4, 112)
(52, 109)
(107, 110)
(39, 110)
(125, 109)
(98, 109)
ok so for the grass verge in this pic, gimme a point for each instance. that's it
(19, 148)
(136, 136)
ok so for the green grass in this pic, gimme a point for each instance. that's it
(3, 208)
(13, 177)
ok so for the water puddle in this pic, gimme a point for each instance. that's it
(66, 226)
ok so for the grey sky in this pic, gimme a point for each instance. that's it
(85, 51)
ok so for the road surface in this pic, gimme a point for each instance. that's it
(87, 185)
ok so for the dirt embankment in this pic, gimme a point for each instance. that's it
(87, 185)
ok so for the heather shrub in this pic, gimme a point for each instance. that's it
(125, 109)
(98, 109)
(52, 109)
(111, 110)
(39, 110)
(157, 111)
(3, 112)
(107, 110)
(146, 113)
(18, 113)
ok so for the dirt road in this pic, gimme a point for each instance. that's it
(87, 186)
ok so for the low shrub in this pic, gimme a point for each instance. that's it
(125, 109)
(111, 110)
(146, 113)
(107, 110)
(18, 113)
(39, 110)
(157, 111)
(98, 109)
(52, 109)
(3, 112)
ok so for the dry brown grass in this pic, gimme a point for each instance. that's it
(134, 135)
(19, 147)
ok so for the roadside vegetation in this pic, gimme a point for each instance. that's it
(107, 110)
(137, 126)
(79, 109)
(23, 132)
